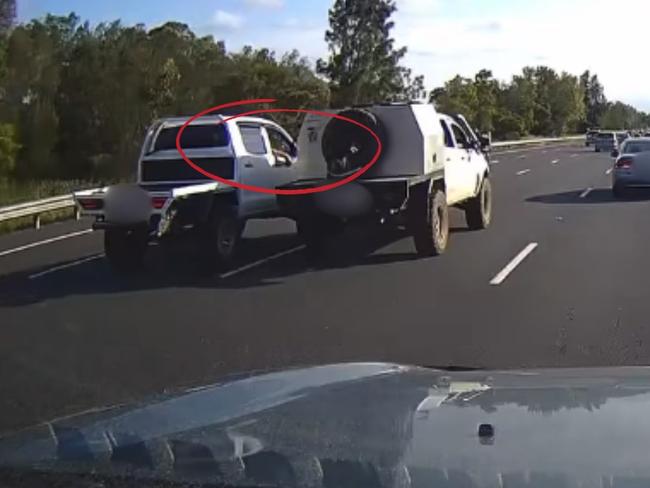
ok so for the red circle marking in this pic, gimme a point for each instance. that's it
(274, 191)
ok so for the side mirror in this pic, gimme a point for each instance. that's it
(484, 141)
(615, 153)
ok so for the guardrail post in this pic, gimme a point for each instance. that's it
(77, 213)
(37, 221)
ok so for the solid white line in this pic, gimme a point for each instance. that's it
(510, 267)
(260, 262)
(42, 243)
(586, 192)
(65, 266)
(609, 171)
(555, 161)
(523, 172)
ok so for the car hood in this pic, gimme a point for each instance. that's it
(367, 425)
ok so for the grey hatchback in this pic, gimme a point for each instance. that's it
(632, 167)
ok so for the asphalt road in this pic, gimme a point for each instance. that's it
(73, 336)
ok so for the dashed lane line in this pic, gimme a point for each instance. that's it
(44, 242)
(512, 265)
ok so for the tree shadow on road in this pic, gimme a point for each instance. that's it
(183, 269)
(598, 195)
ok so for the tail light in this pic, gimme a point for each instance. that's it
(91, 203)
(624, 163)
(158, 202)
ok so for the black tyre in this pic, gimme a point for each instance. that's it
(428, 220)
(478, 212)
(125, 249)
(347, 147)
(219, 242)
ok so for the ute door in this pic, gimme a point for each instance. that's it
(254, 166)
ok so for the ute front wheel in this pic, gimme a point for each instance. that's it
(478, 211)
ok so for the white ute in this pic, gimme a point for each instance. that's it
(430, 161)
(170, 198)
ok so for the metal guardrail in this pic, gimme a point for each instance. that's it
(529, 142)
(38, 207)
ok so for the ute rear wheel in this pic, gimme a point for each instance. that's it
(478, 211)
(428, 221)
(219, 241)
(125, 249)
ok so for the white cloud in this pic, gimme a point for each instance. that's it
(228, 20)
(571, 36)
(265, 3)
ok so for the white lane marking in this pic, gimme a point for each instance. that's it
(574, 156)
(65, 266)
(555, 161)
(523, 172)
(42, 243)
(260, 262)
(494, 161)
(586, 192)
(609, 171)
(523, 156)
(510, 267)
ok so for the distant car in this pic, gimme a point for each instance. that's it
(590, 137)
(632, 166)
(606, 141)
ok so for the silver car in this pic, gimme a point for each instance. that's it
(606, 141)
(632, 166)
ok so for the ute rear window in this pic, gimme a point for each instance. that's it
(194, 136)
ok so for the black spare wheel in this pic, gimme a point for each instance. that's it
(347, 147)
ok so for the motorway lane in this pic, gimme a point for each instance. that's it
(81, 337)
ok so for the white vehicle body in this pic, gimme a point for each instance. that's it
(170, 197)
(429, 161)
(420, 142)
(166, 177)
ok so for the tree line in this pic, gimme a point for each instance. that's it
(538, 101)
(75, 99)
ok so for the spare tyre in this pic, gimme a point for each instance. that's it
(347, 147)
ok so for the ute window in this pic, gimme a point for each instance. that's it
(280, 145)
(194, 136)
(461, 138)
(253, 140)
(449, 142)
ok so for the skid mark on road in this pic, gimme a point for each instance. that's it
(512, 265)
(65, 266)
(261, 262)
(44, 242)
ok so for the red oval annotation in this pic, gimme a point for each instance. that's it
(275, 191)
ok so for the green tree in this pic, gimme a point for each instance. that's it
(363, 64)
(7, 15)
(8, 149)
(594, 99)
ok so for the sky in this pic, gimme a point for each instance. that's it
(443, 37)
